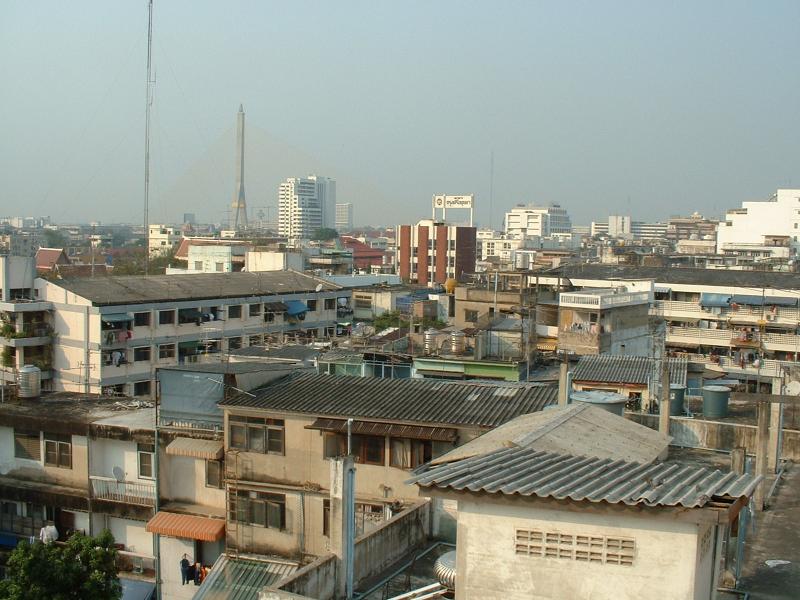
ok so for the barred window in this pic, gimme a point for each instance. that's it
(583, 548)
(258, 508)
(58, 450)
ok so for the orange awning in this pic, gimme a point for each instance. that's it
(186, 526)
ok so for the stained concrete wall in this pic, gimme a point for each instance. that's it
(315, 580)
(717, 435)
(378, 549)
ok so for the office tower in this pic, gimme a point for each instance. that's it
(344, 217)
(306, 204)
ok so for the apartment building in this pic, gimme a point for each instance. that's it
(522, 221)
(754, 221)
(25, 327)
(602, 321)
(110, 334)
(344, 217)
(306, 204)
(161, 238)
(79, 463)
(279, 439)
(743, 322)
(433, 252)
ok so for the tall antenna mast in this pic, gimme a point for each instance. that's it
(148, 104)
(491, 187)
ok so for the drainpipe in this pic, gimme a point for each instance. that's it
(156, 467)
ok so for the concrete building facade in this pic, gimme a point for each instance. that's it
(344, 217)
(306, 204)
(754, 221)
(432, 252)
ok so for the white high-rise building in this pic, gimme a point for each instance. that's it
(522, 221)
(344, 217)
(306, 204)
(778, 217)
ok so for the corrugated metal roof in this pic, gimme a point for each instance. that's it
(190, 527)
(441, 434)
(529, 472)
(197, 448)
(136, 289)
(241, 579)
(482, 404)
(577, 429)
(610, 368)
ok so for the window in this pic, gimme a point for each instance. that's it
(141, 319)
(166, 351)
(141, 354)
(234, 343)
(214, 474)
(470, 316)
(368, 449)
(141, 388)
(259, 508)
(145, 453)
(220, 267)
(326, 518)
(235, 311)
(255, 310)
(58, 450)
(27, 445)
(166, 317)
(198, 265)
(330, 303)
(253, 434)
(312, 305)
(363, 302)
(255, 340)
(269, 317)
(409, 454)
(582, 548)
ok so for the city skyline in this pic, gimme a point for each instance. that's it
(620, 109)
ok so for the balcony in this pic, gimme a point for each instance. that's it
(698, 336)
(752, 315)
(602, 300)
(31, 334)
(126, 492)
(764, 367)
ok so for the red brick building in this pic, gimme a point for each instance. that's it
(432, 252)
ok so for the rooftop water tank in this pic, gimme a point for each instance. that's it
(609, 401)
(715, 401)
(30, 381)
(458, 342)
(677, 394)
(430, 341)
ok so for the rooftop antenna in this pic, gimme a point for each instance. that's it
(148, 104)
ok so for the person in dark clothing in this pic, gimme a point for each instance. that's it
(185, 570)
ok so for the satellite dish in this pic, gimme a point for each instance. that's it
(119, 474)
(318, 288)
(793, 388)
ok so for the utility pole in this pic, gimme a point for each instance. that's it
(148, 105)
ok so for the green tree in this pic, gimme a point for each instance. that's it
(82, 569)
(55, 239)
(323, 234)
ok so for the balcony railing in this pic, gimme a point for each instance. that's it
(127, 492)
(754, 314)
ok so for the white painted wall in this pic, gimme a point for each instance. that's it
(172, 551)
(183, 479)
(107, 454)
(132, 534)
(488, 567)
(780, 215)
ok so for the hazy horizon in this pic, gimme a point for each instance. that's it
(605, 108)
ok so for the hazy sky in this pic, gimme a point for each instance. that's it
(641, 108)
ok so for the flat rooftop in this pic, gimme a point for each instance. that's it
(110, 291)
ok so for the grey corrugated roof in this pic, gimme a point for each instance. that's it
(241, 579)
(107, 291)
(528, 472)
(232, 368)
(293, 351)
(666, 275)
(414, 400)
(609, 368)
